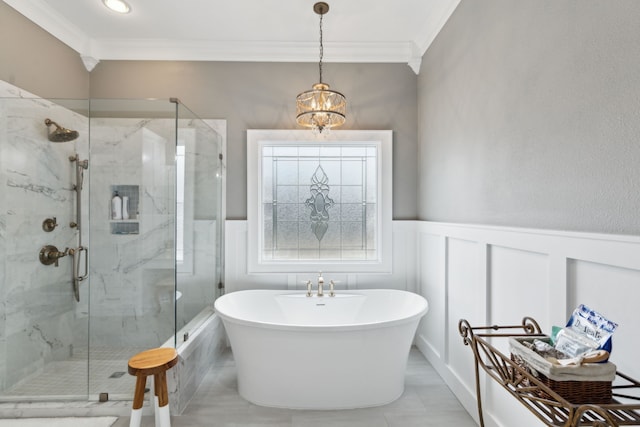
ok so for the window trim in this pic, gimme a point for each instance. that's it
(258, 138)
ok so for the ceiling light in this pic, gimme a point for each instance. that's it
(321, 108)
(119, 6)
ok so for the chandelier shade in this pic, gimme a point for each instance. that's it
(321, 108)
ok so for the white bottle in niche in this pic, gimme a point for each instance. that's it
(116, 206)
(125, 207)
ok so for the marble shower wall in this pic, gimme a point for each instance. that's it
(38, 313)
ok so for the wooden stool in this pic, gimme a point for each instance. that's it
(156, 362)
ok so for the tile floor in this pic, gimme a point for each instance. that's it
(427, 401)
(69, 377)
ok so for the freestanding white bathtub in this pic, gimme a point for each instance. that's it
(299, 352)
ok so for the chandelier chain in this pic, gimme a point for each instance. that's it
(321, 50)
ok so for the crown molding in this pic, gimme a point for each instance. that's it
(89, 62)
(434, 24)
(256, 51)
(92, 51)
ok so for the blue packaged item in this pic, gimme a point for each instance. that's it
(586, 330)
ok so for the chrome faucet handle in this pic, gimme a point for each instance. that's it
(309, 288)
(331, 286)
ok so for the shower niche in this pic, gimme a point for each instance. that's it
(124, 209)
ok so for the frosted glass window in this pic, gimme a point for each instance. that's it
(319, 201)
(324, 202)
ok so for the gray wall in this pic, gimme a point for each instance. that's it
(35, 61)
(529, 111)
(247, 95)
(529, 115)
(262, 96)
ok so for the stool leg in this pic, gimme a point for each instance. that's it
(138, 399)
(154, 401)
(164, 415)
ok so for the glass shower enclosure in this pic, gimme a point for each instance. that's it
(110, 239)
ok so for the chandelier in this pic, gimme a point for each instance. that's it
(320, 108)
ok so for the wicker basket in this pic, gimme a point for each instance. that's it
(587, 383)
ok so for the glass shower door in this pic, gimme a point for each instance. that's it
(155, 260)
(198, 219)
(132, 262)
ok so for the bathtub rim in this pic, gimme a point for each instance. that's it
(322, 328)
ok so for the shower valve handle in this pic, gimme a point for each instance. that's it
(49, 254)
(49, 224)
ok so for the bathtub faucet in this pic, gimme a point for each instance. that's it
(320, 284)
(320, 287)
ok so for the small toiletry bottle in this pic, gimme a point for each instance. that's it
(125, 207)
(116, 206)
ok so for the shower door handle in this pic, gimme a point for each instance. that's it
(80, 277)
(76, 277)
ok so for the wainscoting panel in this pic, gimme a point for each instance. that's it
(614, 291)
(518, 285)
(431, 270)
(466, 290)
(497, 275)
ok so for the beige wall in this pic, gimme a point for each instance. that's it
(262, 96)
(33, 60)
(529, 116)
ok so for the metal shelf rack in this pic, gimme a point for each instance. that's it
(547, 405)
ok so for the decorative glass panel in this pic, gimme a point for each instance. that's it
(319, 204)
(286, 171)
(319, 201)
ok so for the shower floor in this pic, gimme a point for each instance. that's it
(68, 378)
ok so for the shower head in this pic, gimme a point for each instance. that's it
(60, 134)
